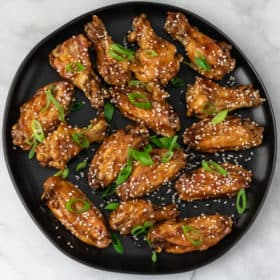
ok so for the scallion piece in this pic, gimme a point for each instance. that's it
(220, 117)
(62, 173)
(117, 243)
(70, 203)
(241, 201)
(140, 100)
(148, 148)
(119, 52)
(205, 166)
(201, 61)
(177, 82)
(150, 53)
(57, 105)
(109, 191)
(163, 142)
(154, 257)
(112, 206)
(136, 83)
(138, 230)
(124, 174)
(80, 139)
(74, 67)
(193, 235)
(38, 133)
(143, 157)
(81, 165)
(31, 153)
(212, 166)
(76, 106)
(167, 156)
(109, 110)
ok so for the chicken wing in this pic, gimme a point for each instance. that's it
(205, 98)
(114, 72)
(66, 142)
(156, 59)
(76, 212)
(209, 58)
(160, 116)
(112, 155)
(71, 60)
(202, 184)
(190, 234)
(136, 212)
(145, 179)
(231, 134)
(37, 108)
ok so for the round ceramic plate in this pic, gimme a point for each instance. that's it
(28, 176)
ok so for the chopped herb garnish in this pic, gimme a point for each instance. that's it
(193, 235)
(188, 63)
(112, 206)
(220, 117)
(117, 243)
(119, 52)
(169, 154)
(109, 191)
(80, 139)
(150, 53)
(31, 153)
(38, 133)
(76, 106)
(201, 61)
(154, 257)
(209, 108)
(212, 166)
(124, 174)
(241, 201)
(74, 67)
(143, 157)
(81, 165)
(140, 100)
(139, 230)
(109, 110)
(163, 142)
(136, 83)
(148, 148)
(177, 82)
(70, 203)
(62, 173)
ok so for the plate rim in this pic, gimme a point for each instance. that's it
(17, 189)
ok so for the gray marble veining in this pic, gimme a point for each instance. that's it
(25, 253)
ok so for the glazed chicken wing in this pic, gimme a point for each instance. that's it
(160, 116)
(190, 234)
(209, 58)
(156, 59)
(146, 179)
(114, 72)
(66, 142)
(202, 184)
(136, 212)
(205, 98)
(76, 212)
(38, 108)
(112, 155)
(231, 134)
(71, 60)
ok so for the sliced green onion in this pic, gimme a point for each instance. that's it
(76, 106)
(69, 205)
(177, 82)
(136, 83)
(31, 153)
(150, 53)
(62, 173)
(117, 243)
(154, 257)
(220, 117)
(80, 139)
(188, 230)
(148, 148)
(173, 142)
(188, 63)
(167, 156)
(58, 106)
(202, 62)
(109, 110)
(121, 53)
(109, 191)
(143, 157)
(74, 67)
(81, 165)
(38, 132)
(212, 166)
(163, 142)
(241, 201)
(139, 100)
(209, 108)
(138, 230)
(112, 206)
(124, 174)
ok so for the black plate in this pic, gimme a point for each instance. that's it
(28, 176)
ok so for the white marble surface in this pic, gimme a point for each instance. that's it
(25, 253)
